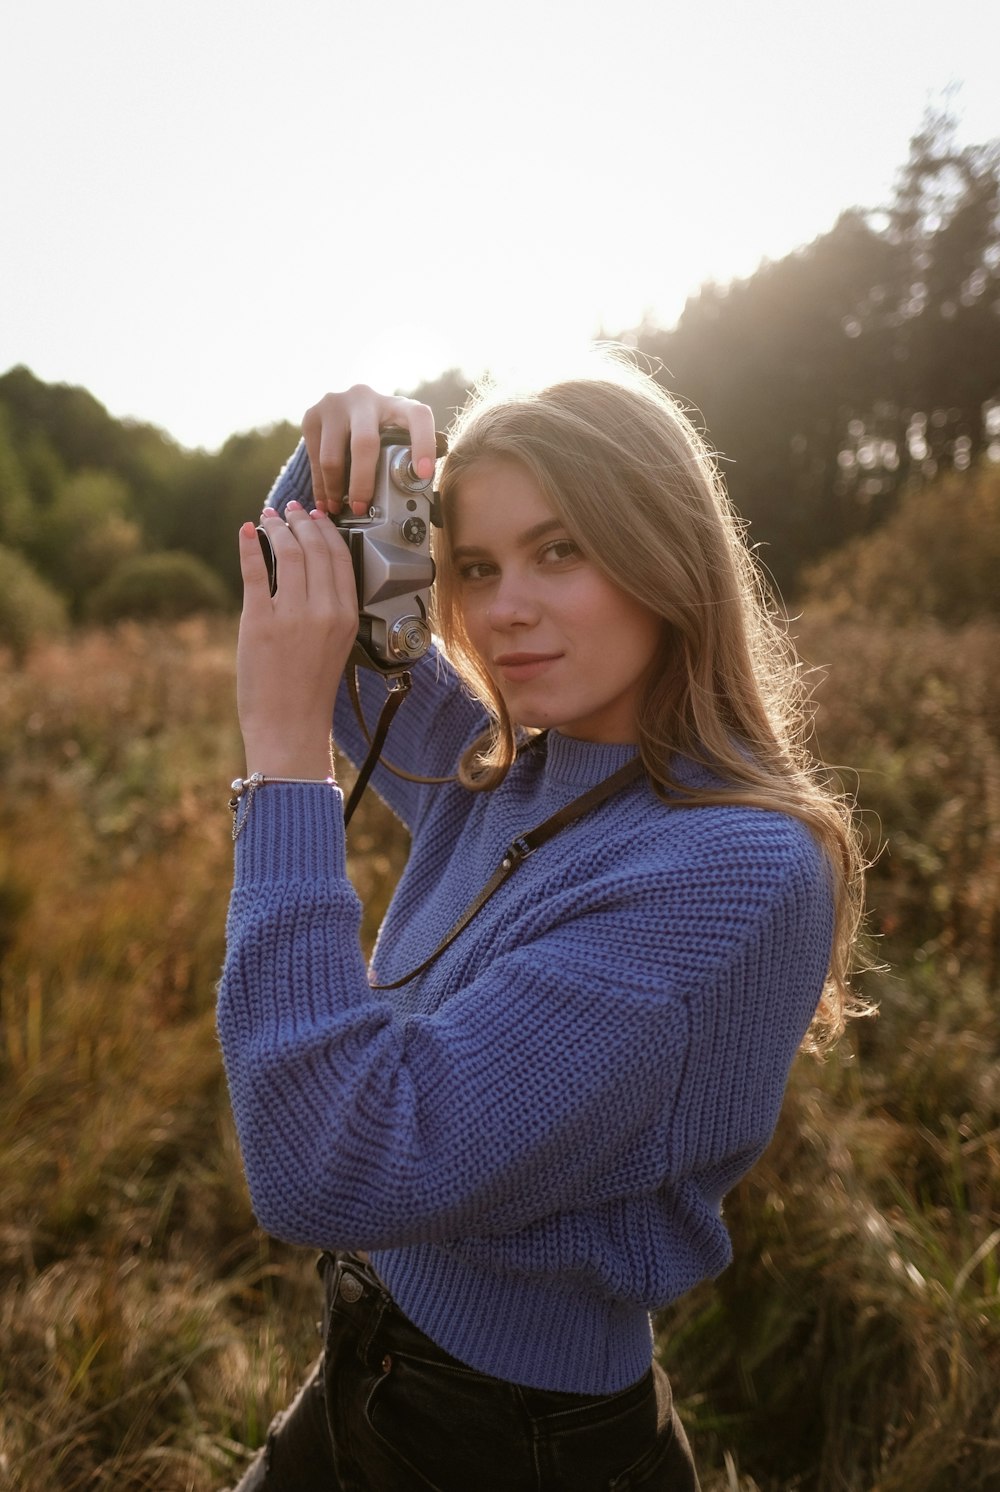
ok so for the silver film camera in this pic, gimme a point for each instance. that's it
(391, 550)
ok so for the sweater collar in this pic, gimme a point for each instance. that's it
(582, 764)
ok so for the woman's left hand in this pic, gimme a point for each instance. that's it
(294, 646)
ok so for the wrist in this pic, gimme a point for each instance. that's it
(284, 758)
(293, 767)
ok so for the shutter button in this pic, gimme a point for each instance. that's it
(351, 1289)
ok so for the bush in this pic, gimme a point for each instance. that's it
(167, 586)
(29, 608)
(914, 712)
(80, 540)
(937, 557)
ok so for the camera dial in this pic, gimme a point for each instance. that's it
(409, 637)
(402, 473)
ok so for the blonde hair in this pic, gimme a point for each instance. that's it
(636, 486)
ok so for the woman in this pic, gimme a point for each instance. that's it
(523, 1151)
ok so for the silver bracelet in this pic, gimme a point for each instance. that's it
(246, 787)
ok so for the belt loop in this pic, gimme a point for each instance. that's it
(353, 1283)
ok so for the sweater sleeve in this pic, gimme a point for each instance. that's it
(623, 1034)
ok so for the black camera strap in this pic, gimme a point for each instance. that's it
(399, 688)
(520, 848)
(398, 685)
(353, 691)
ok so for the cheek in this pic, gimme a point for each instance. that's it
(473, 616)
(472, 613)
(654, 634)
(632, 632)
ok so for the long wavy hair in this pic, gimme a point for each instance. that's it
(631, 478)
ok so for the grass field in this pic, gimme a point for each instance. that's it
(148, 1330)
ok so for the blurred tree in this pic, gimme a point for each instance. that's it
(768, 364)
(934, 321)
(937, 555)
(830, 378)
(156, 494)
(165, 586)
(218, 493)
(828, 381)
(43, 469)
(85, 534)
(76, 425)
(29, 608)
(15, 498)
(62, 430)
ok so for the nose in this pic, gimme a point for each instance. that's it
(511, 605)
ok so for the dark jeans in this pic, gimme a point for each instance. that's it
(385, 1410)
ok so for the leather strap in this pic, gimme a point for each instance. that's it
(400, 689)
(353, 691)
(520, 848)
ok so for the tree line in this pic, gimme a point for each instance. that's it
(831, 382)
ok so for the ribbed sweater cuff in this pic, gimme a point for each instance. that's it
(291, 832)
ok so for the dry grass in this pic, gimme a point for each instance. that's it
(149, 1330)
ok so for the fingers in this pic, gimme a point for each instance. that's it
(341, 563)
(326, 562)
(293, 648)
(326, 429)
(289, 556)
(256, 590)
(314, 565)
(365, 446)
(350, 422)
(419, 420)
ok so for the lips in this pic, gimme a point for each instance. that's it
(519, 667)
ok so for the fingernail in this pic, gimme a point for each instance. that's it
(248, 530)
(269, 512)
(425, 468)
(293, 506)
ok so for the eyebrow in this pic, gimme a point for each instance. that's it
(537, 531)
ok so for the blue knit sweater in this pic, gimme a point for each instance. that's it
(533, 1138)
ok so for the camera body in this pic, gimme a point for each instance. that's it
(391, 552)
(393, 570)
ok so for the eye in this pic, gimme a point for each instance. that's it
(559, 550)
(475, 570)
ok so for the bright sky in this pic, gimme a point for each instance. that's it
(215, 210)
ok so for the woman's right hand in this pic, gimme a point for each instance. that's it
(352, 421)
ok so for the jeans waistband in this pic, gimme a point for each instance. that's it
(354, 1291)
(335, 1266)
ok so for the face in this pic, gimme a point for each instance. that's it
(564, 645)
